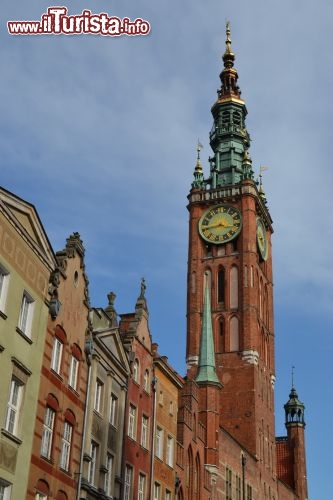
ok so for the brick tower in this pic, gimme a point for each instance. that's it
(230, 232)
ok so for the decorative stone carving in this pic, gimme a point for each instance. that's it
(250, 356)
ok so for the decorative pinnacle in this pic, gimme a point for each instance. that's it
(229, 74)
(292, 376)
(228, 56)
(198, 172)
(228, 40)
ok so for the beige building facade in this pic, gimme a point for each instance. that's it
(26, 261)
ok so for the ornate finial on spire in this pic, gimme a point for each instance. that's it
(228, 75)
(261, 189)
(228, 39)
(292, 376)
(198, 172)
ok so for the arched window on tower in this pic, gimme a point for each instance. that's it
(234, 287)
(221, 286)
(197, 477)
(237, 118)
(234, 334)
(189, 472)
(225, 118)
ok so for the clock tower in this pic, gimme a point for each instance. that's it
(230, 255)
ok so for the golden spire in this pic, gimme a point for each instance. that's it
(229, 76)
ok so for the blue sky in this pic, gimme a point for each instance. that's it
(100, 134)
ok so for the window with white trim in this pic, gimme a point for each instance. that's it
(26, 314)
(132, 422)
(93, 462)
(113, 410)
(136, 371)
(145, 432)
(169, 451)
(5, 489)
(4, 280)
(14, 406)
(98, 396)
(108, 475)
(66, 442)
(73, 371)
(56, 355)
(168, 495)
(47, 436)
(128, 483)
(159, 442)
(39, 496)
(157, 491)
(228, 484)
(141, 487)
(146, 381)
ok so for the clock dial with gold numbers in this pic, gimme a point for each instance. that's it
(262, 239)
(220, 224)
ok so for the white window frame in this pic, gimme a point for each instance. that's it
(136, 371)
(4, 281)
(132, 422)
(26, 314)
(169, 451)
(92, 463)
(159, 443)
(56, 355)
(5, 489)
(40, 496)
(47, 437)
(128, 482)
(98, 396)
(146, 381)
(66, 443)
(113, 410)
(141, 487)
(14, 406)
(73, 372)
(157, 491)
(108, 475)
(168, 495)
(145, 432)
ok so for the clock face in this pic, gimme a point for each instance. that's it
(220, 224)
(262, 239)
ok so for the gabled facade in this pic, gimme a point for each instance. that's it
(26, 261)
(58, 431)
(139, 417)
(105, 413)
(167, 384)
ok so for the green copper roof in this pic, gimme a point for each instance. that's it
(206, 367)
(229, 139)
